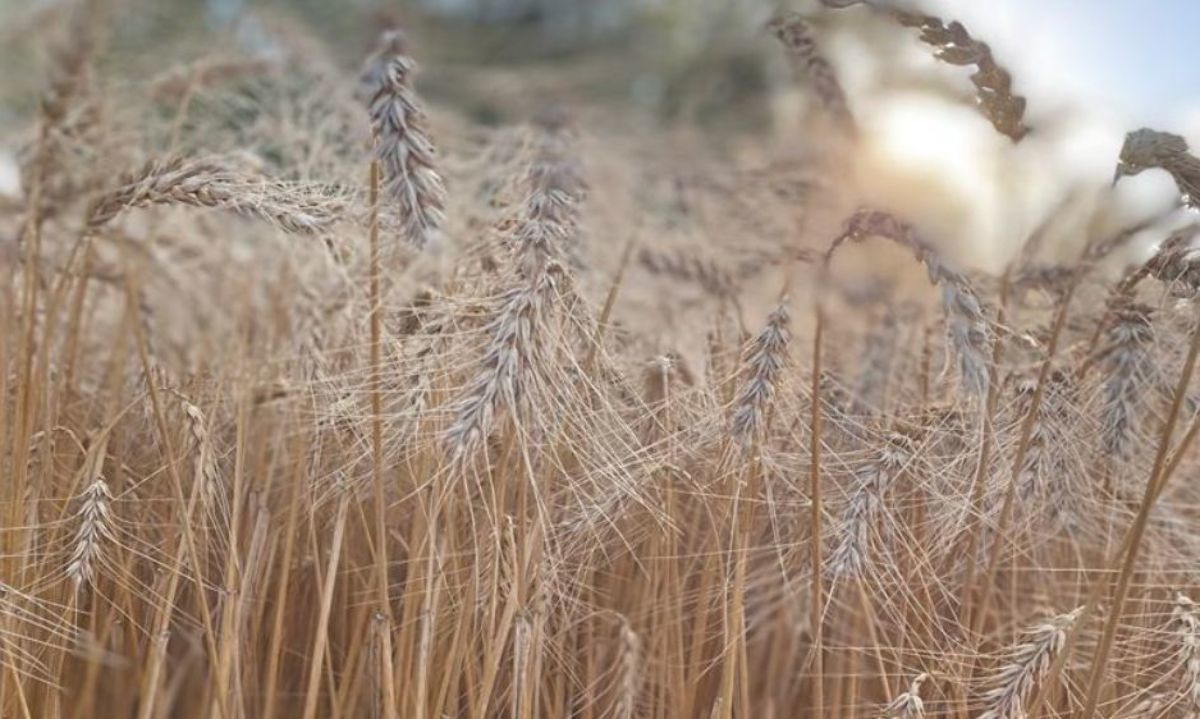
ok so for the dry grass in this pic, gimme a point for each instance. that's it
(267, 452)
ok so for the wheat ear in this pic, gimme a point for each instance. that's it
(1130, 334)
(763, 363)
(95, 528)
(849, 556)
(402, 145)
(205, 183)
(966, 321)
(797, 36)
(1185, 620)
(1146, 149)
(954, 45)
(516, 327)
(908, 705)
(1027, 667)
(630, 672)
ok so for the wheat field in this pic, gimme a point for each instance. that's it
(323, 398)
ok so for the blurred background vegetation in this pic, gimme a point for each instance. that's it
(701, 62)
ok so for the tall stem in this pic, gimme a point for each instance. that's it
(381, 553)
(818, 589)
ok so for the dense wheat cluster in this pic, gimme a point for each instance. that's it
(319, 399)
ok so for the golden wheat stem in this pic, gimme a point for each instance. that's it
(312, 690)
(275, 650)
(816, 620)
(164, 436)
(381, 534)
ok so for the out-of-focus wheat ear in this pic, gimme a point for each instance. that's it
(966, 319)
(762, 364)
(1028, 665)
(1154, 705)
(402, 145)
(554, 189)
(685, 266)
(1130, 337)
(1032, 467)
(849, 555)
(540, 236)
(205, 469)
(1185, 621)
(1145, 149)
(555, 181)
(877, 360)
(513, 351)
(1176, 264)
(907, 705)
(70, 110)
(1042, 475)
(629, 674)
(93, 531)
(71, 59)
(953, 45)
(205, 183)
(797, 36)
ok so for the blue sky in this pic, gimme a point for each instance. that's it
(1143, 56)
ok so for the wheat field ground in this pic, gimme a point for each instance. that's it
(329, 388)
